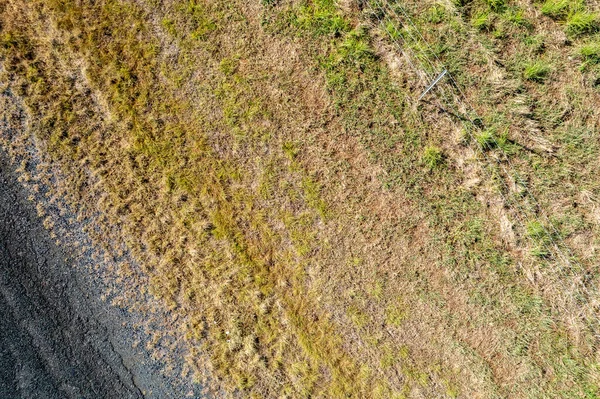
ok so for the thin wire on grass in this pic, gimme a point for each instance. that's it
(446, 98)
(395, 42)
(581, 291)
(463, 100)
(566, 259)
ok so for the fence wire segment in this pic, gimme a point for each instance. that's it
(393, 18)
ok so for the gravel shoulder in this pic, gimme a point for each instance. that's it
(58, 339)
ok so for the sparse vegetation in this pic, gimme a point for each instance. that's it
(316, 234)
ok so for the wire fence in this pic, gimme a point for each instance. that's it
(402, 31)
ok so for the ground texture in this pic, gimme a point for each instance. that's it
(57, 338)
(265, 171)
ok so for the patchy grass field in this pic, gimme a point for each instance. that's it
(318, 231)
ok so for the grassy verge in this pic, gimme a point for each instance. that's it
(319, 234)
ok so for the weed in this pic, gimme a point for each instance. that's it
(461, 3)
(591, 52)
(291, 150)
(582, 22)
(321, 20)
(433, 157)
(557, 9)
(482, 21)
(486, 139)
(395, 315)
(497, 5)
(436, 14)
(537, 71)
(228, 66)
(393, 31)
(313, 198)
(537, 231)
(377, 291)
(535, 43)
(389, 358)
(517, 17)
(356, 48)
(169, 26)
(358, 317)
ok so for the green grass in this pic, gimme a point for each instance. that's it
(291, 200)
(578, 20)
(436, 14)
(321, 19)
(590, 52)
(543, 240)
(356, 49)
(517, 17)
(537, 71)
(395, 315)
(482, 20)
(486, 140)
(558, 9)
(582, 22)
(393, 31)
(497, 5)
(433, 157)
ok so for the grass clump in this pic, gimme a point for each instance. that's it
(537, 71)
(577, 18)
(497, 5)
(436, 14)
(433, 157)
(482, 21)
(517, 17)
(322, 19)
(393, 31)
(590, 52)
(356, 48)
(557, 9)
(461, 3)
(486, 140)
(395, 315)
(228, 66)
(582, 22)
(536, 230)
(542, 239)
(535, 43)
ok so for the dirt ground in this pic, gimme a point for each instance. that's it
(57, 338)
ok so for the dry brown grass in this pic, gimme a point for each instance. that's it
(263, 165)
